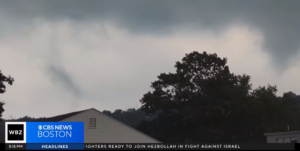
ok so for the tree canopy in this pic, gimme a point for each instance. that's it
(4, 79)
(204, 102)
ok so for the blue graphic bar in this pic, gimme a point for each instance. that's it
(55, 132)
(54, 146)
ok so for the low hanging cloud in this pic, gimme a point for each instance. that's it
(276, 19)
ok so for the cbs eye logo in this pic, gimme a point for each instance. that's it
(45, 127)
(15, 132)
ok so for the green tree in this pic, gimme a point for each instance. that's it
(4, 79)
(198, 98)
(204, 102)
(130, 116)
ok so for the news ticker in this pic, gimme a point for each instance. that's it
(70, 136)
(123, 146)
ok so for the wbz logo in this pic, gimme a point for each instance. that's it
(15, 132)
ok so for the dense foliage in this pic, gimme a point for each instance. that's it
(204, 102)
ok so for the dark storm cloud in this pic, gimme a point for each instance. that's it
(61, 77)
(276, 19)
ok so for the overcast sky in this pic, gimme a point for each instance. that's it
(72, 55)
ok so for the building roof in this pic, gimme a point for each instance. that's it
(68, 115)
(59, 117)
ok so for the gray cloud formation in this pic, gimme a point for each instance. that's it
(277, 19)
(61, 77)
(111, 67)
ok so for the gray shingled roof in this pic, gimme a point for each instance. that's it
(59, 117)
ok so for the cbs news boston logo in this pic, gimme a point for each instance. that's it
(44, 132)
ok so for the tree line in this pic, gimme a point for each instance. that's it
(204, 102)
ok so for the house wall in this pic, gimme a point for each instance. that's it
(273, 138)
(108, 130)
